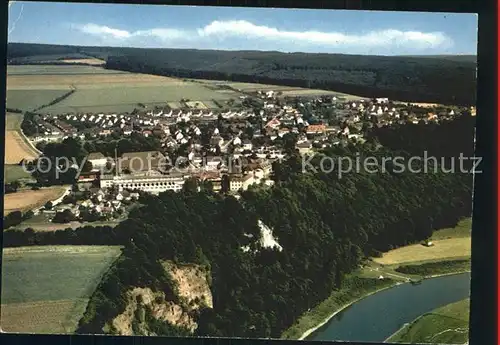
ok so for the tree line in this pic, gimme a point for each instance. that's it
(57, 100)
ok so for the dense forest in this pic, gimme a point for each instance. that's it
(410, 78)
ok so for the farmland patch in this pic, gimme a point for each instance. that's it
(13, 121)
(100, 90)
(17, 149)
(31, 99)
(442, 249)
(45, 289)
(14, 173)
(30, 199)
(87, 81)
(126, 98)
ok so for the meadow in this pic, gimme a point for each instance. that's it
(445, 325)
(448, 243)
(126, 97)
(29, 199)
(102, 90)
(29, 100)
(14, 172)
(46, 289)
(442, 249)
(13, 121)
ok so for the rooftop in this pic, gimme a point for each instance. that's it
(95, 155)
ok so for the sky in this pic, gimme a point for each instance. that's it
(237, 28)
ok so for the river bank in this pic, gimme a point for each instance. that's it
(325, 321)
(303, 329)
(448, 325)
(406, 326)
(354, 288)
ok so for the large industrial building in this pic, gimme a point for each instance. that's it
(154, 184)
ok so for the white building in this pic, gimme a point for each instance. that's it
(151, 184)
(243, 182)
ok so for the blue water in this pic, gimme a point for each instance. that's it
(378, 316)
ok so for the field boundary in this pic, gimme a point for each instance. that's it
(15, 201)
(48, 312)
(17, 148)
(26, 139)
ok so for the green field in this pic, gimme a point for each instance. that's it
(445, 325)
(101, 90)
(125, 98)
(46, 289)
(31, 99)
(13, 121)
(14, 173)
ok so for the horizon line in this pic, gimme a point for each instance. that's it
(244, 50)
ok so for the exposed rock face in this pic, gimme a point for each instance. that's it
(193, 289)
(192, 284)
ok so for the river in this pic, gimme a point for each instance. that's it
(376, 317)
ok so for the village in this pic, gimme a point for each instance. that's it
(228, 150)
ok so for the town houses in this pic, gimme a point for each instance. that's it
(236, 144)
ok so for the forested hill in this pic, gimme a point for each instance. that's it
(449, 80)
